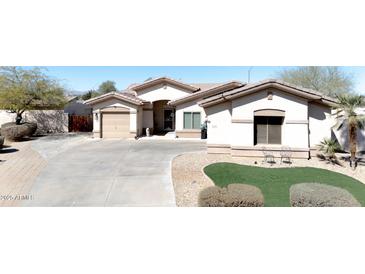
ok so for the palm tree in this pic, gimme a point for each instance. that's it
(329, 148)
(346, 114)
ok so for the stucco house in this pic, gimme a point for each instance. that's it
(241, 118)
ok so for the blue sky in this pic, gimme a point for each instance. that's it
(81, 79)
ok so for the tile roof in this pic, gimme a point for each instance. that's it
(208, 90)
(120, 95)
(159, 80)
(243, 90)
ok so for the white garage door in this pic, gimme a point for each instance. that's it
(115, 125)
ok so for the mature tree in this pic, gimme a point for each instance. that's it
(89, 94)
(328, 80)
(107, 86)
(346, 115)
(28, 89)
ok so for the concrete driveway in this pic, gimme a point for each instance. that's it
(110, 173)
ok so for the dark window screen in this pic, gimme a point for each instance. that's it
(267, 130)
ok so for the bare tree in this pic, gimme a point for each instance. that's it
(330, 81)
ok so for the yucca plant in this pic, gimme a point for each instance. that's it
(346, 115)
(329, 148)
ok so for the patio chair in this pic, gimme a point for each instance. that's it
(269, 157)
(285, 155)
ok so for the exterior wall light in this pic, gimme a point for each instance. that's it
(269, 95)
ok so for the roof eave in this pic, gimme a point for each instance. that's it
(243, 91)
(209, 92)
(107, 96)
(162, 80)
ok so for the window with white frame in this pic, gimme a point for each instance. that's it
(192, 120)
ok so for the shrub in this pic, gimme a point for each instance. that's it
(212, 196)
(241, 195)
(320, 195)
(14, 132)
(235, 195)
(329, 148)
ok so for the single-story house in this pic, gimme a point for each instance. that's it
(241, 118)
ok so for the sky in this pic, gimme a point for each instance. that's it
(80, 79)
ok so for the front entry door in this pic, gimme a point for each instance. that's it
(169, 119)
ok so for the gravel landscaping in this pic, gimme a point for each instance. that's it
(189, 178)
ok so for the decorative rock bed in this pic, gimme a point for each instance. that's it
(14, 132)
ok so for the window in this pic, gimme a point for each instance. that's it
(192, 120)
(267, 130)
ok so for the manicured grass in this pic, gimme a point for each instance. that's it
(275, 182)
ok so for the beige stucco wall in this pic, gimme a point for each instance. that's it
(295, 125)
(219, 124)
(187, 107)
(147, 121)
(48, 121)
(295, 108)
(162, 92)
(320, 123)
(6, 117)
(114, 103)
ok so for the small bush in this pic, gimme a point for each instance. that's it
(212, 196)
(241, 195)
(14, 132)
(320, 195)
(235, 195)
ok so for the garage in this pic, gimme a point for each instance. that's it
(115, 125)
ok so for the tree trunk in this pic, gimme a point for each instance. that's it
(353, 137)
(18, 118)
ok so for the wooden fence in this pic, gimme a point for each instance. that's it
(78, 123)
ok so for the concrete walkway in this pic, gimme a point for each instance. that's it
(110, 173)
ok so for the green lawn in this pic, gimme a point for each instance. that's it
(275, 182)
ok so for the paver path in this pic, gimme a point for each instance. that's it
(22, 162)
(19, 167)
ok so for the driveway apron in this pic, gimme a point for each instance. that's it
(111, 173)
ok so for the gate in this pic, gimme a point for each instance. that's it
(80, 123)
